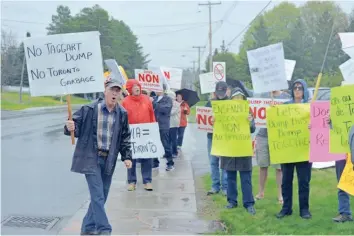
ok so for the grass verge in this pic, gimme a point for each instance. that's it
(10, 101)
(323, 206)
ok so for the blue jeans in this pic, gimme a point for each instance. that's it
(343, 197)
(215, 171)
(146, 171)
(180, 135)
(303, 170)
(173, 140)
(165, 140)
(246, 186)
(99, 184)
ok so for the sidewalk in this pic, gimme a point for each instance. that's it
(168, 210)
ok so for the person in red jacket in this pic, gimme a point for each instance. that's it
(185, 110)
(140, 111)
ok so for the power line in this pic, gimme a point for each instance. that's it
(244, 29)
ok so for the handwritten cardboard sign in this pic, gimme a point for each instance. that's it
(149, 80)
(319, 135)
(288, 133)
(64, 64)
(173, 77)
(204, 117)
(258, 108)
(267, 68)
(208, 82)
(346, 182)
(146, 142)
(342, 116)
(231, 134)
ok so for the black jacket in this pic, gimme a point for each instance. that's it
(86, 152)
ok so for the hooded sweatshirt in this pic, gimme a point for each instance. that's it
(306, 96)
(175, 116)
(139, 107)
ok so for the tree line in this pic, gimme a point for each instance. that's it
(304, 31)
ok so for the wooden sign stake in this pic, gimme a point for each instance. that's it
(68, 100)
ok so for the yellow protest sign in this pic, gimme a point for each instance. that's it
(342, 117)
(231, 135)
(346, 182)
(288, 133)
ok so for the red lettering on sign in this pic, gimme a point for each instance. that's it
(149, 78)
(167, 74)
(203, 119)
(258, 113)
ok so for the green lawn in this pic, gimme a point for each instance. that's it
(191, 117)
(323, 206)
(10, 101)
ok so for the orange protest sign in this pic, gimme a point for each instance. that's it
(346, 182)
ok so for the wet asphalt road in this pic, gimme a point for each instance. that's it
(35, 168)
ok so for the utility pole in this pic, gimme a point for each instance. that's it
(193, 66)
(23, 67)
(199, 47)
(210, 33)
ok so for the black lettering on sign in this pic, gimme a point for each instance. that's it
(135, 133)
(62, 48)
(350, 108)
(320, 140)
(79, 56)
(290, 143)
(36, 52)
(80, 80)
(149, 147)
(37, 74)
(59, 72)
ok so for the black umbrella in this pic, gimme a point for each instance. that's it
(189, 96)
(234, 83)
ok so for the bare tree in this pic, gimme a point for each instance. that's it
(10, 61)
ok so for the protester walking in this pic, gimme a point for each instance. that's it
(263, 156)
(103, 131)
(185, 111)
(217, 184)
(140, 111)
(243, 165)
(162, 108)
(299, 94)
(174, 123)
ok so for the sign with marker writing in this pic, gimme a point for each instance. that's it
(319, 134)
(149, 80)
(204, 116)
(231, 134)
(288, 133)
(173, 77)
(258, 108)
(347, 40)
(267, 68)
(289, 68)
(342, 117)
(347, 69)
(219, 71)
(346, 182)
(146, 142)
(208, 82)
(64, 64)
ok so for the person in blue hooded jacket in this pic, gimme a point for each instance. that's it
(299, 94)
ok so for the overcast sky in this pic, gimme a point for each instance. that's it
(167, 30)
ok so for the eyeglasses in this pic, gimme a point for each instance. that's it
(298, 88)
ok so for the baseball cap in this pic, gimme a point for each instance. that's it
(113, 83)
(221, 88)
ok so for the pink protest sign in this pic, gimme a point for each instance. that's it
(319, 135)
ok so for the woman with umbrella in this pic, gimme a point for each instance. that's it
(187, 98)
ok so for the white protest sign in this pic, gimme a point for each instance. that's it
(115, 71)
(347, 69)
(207, 82)
(158, 71)
(204, 117)
(347, 40)
(146, 142)
(173, 77)
(267, 68)
(289, 68)
(149, 80)
(258, 108)
(64, 64)
(219, 71)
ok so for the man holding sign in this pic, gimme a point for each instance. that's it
(103, 131)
